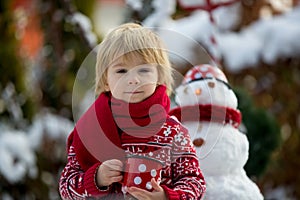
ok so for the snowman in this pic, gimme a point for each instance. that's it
(208, 108)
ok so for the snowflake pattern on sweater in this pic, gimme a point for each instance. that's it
(172, 146)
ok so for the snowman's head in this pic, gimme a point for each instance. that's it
(205, 84)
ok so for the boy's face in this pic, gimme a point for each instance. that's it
(132, 81)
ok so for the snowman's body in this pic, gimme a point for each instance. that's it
(225, 149)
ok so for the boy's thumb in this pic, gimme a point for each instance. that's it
(155, 185)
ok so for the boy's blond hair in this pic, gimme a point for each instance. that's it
(128, 41)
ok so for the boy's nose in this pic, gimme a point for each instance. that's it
(133, 80)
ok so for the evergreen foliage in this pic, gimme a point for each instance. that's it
(262, 131)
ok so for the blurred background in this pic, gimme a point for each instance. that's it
(43, 44)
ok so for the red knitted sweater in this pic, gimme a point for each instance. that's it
(110, 128)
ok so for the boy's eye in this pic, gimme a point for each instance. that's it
(144, 70)
(121, 71)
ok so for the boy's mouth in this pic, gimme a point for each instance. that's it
(134, 92)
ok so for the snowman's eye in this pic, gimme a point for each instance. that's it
(198, 91)
(211, 84)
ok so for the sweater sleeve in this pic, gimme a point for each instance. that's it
(78, 184)
(188, 181)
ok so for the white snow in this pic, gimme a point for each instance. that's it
(12, 101)
(85, 23)
(265, 40)
(240, 50)
(280, 192)
(18, 148)
(16, 157)
(161, 12)
(135, 4)
(56, 128)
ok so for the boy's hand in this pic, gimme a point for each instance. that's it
(109, 172)
(157, 193)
